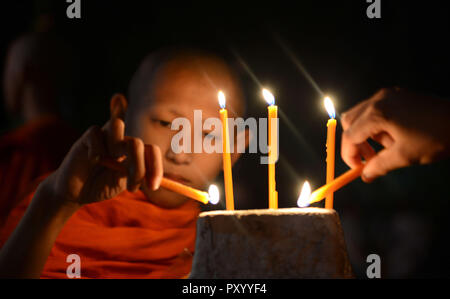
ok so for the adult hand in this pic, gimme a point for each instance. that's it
(412, 129)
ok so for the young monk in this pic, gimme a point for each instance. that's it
(122, 225)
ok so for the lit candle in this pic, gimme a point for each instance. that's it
(331, 144)
(228, 178)
(273, 146)
(185, 190)
(336, 184)
(204, 197)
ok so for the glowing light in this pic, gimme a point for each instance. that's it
(268, 96)
(329, 107)
(222, 99)
(214, 196)
(303, 200)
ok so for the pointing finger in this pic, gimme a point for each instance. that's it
(114, 130)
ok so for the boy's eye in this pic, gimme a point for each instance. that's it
(163, 123)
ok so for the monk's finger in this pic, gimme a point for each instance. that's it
(93, 140)
(134, 150)
(154, 166)
(114, 130)
(118, 106)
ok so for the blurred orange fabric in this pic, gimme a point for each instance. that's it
(124, 237)
(28, 152)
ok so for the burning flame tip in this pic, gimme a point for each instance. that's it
(214, 196)
(304, 198)
(222, 99)
(329, 106)
(268, 96)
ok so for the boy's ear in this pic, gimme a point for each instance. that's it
(118, 106)
(242, 137)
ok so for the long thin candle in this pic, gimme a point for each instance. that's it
(226, 157)
(331, 145)
(273, 194)
(185, 190)
(272, 110)
(336, 184)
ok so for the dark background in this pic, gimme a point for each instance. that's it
(402, 217)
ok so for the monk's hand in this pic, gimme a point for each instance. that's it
(411, 128)
(82, 178)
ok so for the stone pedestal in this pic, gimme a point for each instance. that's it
(283, 243)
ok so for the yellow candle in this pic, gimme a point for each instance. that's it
(227, 174)
(165, 183)
(336, 184)
(185, 190)
(273, 147)
(331, 145)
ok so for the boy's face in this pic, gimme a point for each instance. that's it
(177, 92)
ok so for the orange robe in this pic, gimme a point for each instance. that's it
(124, 237)
(28, 152)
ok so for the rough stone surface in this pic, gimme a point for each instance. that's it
(283, 243)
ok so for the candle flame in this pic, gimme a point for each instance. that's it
(329, 107)
(303, 199)
(214, 196)
(268, 96)
(222, 99)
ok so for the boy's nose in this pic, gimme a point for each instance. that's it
(181, 158)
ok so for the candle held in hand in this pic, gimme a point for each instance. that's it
(165, 183)
(185, 190)
(336, 184)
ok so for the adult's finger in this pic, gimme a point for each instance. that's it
(354, 139)
(154, 166)
(348, 117)
(366, 150)
(353, 153)
(384, 161)
(384, 139)
(365, 126)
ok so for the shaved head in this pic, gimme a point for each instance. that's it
(205, 72)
